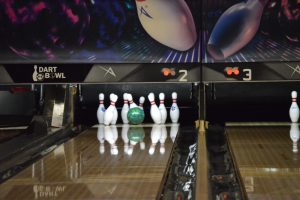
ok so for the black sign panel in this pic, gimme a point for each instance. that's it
(276, 71)
(100, 73)
(47, 73)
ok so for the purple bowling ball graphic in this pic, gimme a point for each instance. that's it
(43, 28)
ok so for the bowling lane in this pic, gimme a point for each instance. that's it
(115, 162)
(268, 163)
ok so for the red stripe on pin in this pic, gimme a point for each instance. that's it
(152, 102)
(101, 102)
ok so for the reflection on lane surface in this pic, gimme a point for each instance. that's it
(267, 158)
(104, 162)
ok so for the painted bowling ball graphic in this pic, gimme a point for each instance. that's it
(135, 115)
(42, 28)
(289, 20)
(136, 134)
(56, 29)
(108, 20)
(284, 14)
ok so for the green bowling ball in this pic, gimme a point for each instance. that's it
(136, 134)
(135, 115)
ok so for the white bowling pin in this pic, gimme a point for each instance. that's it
(115, 117)
(294, 109)
(174, 111)
(101, 109)
(131, 102)
(162, 108)
(155, 136)
(169, 22)
(110, 111)
(125, 128)
(163, 138)
(101, 138)
(173, 131)
(294, 135)
(141, 101)
(125, 109)
(235, 28)
(154, 111)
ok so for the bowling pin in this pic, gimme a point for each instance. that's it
(130, 100)
(235, 28)
(294, 109)
(174, 111)
(125, 109)
(115, 117)
(154, 111)
(173, 131)
(111, 136)
(170, 22)
(141, 101)
(294, 135)
(162, 108)
(101, 138)
(110, 111)
(163, 138)
(155, 136)
(125, 128)
(101, 109)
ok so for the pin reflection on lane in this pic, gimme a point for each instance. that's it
(155, 136)
(131, 136)
(125, 128)
(294, 135)
(174, 131)
(111, 136)
(101, 138)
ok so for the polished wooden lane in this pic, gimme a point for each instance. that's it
(90, 167)
(264, 156)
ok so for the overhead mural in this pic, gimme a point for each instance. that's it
(149, 31)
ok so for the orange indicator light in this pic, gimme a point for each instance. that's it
(229, 71)
(232, 71)
(236, 71)
(166, 71)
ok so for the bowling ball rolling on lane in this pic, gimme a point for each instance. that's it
(135, 116)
